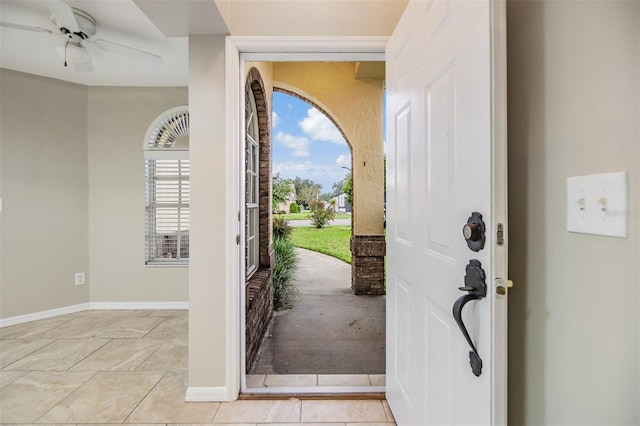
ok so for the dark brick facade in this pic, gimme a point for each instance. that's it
(367, 264)
(259, 288)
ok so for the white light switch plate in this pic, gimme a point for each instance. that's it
(598, 204)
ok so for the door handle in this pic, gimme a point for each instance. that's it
(475, 285)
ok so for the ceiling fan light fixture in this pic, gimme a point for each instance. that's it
(73, 53)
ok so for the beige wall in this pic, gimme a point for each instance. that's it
(44, 174)
(356, 107)
(574, 311)
(118, 120)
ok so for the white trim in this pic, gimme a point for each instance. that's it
(166, 154)
(50, 313)
(206, 394)
(235, 199)
(248, 48)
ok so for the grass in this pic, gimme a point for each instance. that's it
(331, 240)
(305, 215)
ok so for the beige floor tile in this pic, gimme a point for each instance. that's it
(11, 350)
(305, 424)
(216, 424)
(59, 355)
(172, 355)
(8, 377)
(343, 411)
(165, 404)
(120, 354)
(32, 395)
(106, 326)
(171, 328)
(387, 411)
(33, 329)
(108, 397)
(377, 379)
(286, 411)
(370, 424)
(291, 380)
(343, 380)
(255, 380)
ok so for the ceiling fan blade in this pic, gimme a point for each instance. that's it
(63, 15)
(24, 27)
(131, 52)
(86, 67)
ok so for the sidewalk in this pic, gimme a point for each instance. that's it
(329, 330)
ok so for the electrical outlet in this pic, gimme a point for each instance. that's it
(80, 278)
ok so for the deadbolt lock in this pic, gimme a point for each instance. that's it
(474, 232)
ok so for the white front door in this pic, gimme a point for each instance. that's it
(446, 160)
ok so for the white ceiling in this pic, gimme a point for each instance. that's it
(162, 27)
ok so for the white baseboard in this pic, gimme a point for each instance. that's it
(206, 394)
(6, 322)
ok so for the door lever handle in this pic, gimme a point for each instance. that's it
(477, 289)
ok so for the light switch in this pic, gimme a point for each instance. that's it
(597, 204)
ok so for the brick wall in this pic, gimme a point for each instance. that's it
(367, 264)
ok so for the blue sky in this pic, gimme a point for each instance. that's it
(306, 143)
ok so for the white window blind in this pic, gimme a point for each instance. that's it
(167, 209)
(167, 193)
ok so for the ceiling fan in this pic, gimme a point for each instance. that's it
(76, 27)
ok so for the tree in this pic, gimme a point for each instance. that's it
(306, 190)
(336, 188)
(321, 214)
(281, 190)
(347, 187)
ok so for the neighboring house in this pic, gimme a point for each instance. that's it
(72, 185)
(340, 202)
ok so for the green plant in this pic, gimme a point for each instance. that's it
(281, 227)
(320, 214)
(286, 260)
(294, 208)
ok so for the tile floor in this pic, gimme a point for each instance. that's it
(130, 366)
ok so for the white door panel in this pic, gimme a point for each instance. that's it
(441, 167)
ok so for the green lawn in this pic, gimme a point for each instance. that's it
(331, 240)
(305, 215)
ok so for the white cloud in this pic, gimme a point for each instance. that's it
(344, 160)
(299, 145)
(274, 119)
(318, 127)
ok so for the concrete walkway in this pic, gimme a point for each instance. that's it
(328, 330)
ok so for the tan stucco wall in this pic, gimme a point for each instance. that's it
(355, 106)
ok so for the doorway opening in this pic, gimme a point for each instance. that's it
(367, 243)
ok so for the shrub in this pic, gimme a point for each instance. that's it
(320, 215)
(294, 208)
(286, 260)
(281, 227)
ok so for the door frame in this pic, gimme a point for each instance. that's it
(238, 50)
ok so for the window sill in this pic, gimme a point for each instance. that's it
(166, 265)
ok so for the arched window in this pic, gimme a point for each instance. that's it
(166, 153)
